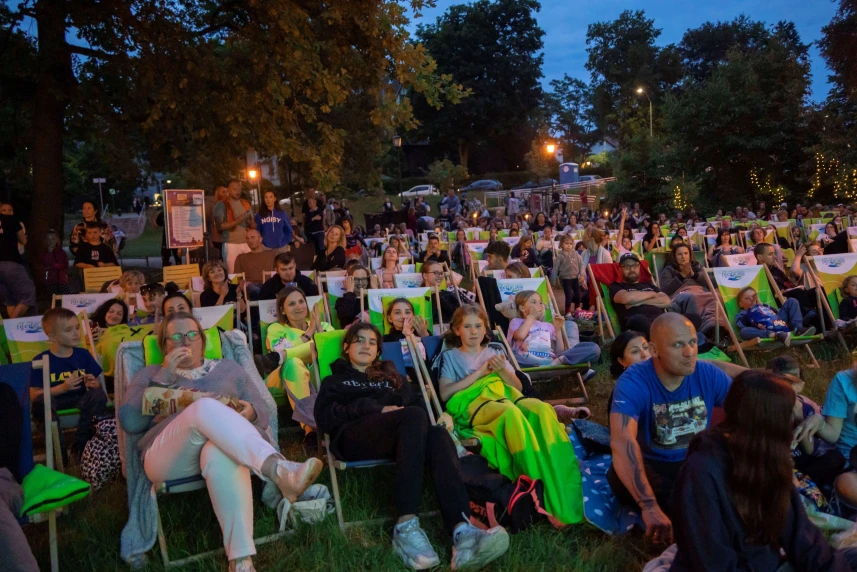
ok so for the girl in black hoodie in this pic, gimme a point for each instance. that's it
(734, 504)
(373, 412)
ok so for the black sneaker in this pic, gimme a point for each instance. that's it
(807, 331)
(784, 338)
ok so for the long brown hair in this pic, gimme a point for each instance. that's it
(758, 431)
(451, 338)
(379, 370)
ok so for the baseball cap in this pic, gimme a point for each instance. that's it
(628, 256)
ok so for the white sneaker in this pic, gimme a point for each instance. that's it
(412, 545)
(474, 548)
(294, 478)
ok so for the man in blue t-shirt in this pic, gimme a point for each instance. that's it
(658, 406)
(76, 378)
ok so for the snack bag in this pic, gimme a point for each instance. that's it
(162, 400)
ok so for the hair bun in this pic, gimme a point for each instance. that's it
(171, 288)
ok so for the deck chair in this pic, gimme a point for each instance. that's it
(42, 501)
(730, 281)
(181, 274)
(129, 360)
(379, 299)
(94, 278)
(601, 277)
(335, 290)
(745, 259)
(78, 303)
(328, 347)
(829, 271)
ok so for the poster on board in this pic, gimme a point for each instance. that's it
(185, 217)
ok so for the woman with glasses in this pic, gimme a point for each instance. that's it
(208, 438)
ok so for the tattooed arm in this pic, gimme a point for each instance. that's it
(628, 464)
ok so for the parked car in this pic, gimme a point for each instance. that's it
(536, 184)
(421, 191)
(589, 178)
(483, 185)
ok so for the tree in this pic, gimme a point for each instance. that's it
(491, 48)
(838, 46)
(622, 57)
(571, 117)
(192, 84)
(445, 174)
(540, 163)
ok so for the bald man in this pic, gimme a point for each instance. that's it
(658, 406)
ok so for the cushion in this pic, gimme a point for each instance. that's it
(213, 349)
(46, 490)
(328, 345)
(508, 308)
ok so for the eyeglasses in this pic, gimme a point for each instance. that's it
(436, 273)
(179, 338)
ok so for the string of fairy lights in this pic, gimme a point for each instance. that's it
(778, 192)
(844, 178)
(680, 202)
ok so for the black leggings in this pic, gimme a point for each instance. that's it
(571, 288)
(406, 436)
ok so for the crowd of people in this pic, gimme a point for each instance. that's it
(714, 457)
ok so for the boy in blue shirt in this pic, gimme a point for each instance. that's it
(76, 378)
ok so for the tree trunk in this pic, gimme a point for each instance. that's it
(48, 118)
(463, 150)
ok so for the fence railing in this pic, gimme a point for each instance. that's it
(544, 194)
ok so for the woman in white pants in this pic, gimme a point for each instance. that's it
(207, 438)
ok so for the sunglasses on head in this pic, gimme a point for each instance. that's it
(155, 287)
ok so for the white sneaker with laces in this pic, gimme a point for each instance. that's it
(474, 548)
(412, 545)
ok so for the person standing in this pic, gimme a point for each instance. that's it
(314, 224)
(55, 263)
(274, 224)
(233, 217)
(17, 291)
(166, 253)
(214, 234)
(90, 214)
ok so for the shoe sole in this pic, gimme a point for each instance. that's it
(492, 548)
(411, 563)
(314, 467)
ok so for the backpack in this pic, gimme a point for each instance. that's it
(495, 500)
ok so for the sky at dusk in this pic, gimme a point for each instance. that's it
(565, 23)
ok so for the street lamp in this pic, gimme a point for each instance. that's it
(642, 91)
(550, 148)
(254, 176)
(397, 142)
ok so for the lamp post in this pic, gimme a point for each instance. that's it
(397, 142)
(642, 91)
(254, 176)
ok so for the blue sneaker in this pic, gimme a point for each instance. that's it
(412, 545)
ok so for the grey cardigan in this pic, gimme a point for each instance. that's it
(671, 280)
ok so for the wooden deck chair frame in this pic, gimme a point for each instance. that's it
(814, 280)
(182, 274)
(334, 464)
(755, 344)
(94, 278)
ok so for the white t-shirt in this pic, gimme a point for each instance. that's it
(539, 342)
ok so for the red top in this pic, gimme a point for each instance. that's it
(56, 266)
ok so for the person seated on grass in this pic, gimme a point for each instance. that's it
(658, 406)
(372, 412)
(519, 435)
(174, 301)
(734, 503)
(92, 252)
(76, 378)
(433, 252)
(837, 425)
(848, 304)
(813, 456)
(211, 439)
(111, 313)
(286, 275)
(357, 282)
(628, 348)
(758, 320)
(535, 342)
(289, 338)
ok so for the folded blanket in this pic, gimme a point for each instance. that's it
(521, 436)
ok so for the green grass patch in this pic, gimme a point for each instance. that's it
(147, 244)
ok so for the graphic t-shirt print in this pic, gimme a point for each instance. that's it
(676, 423)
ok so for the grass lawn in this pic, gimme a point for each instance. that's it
(89, 534)
(147, 244)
